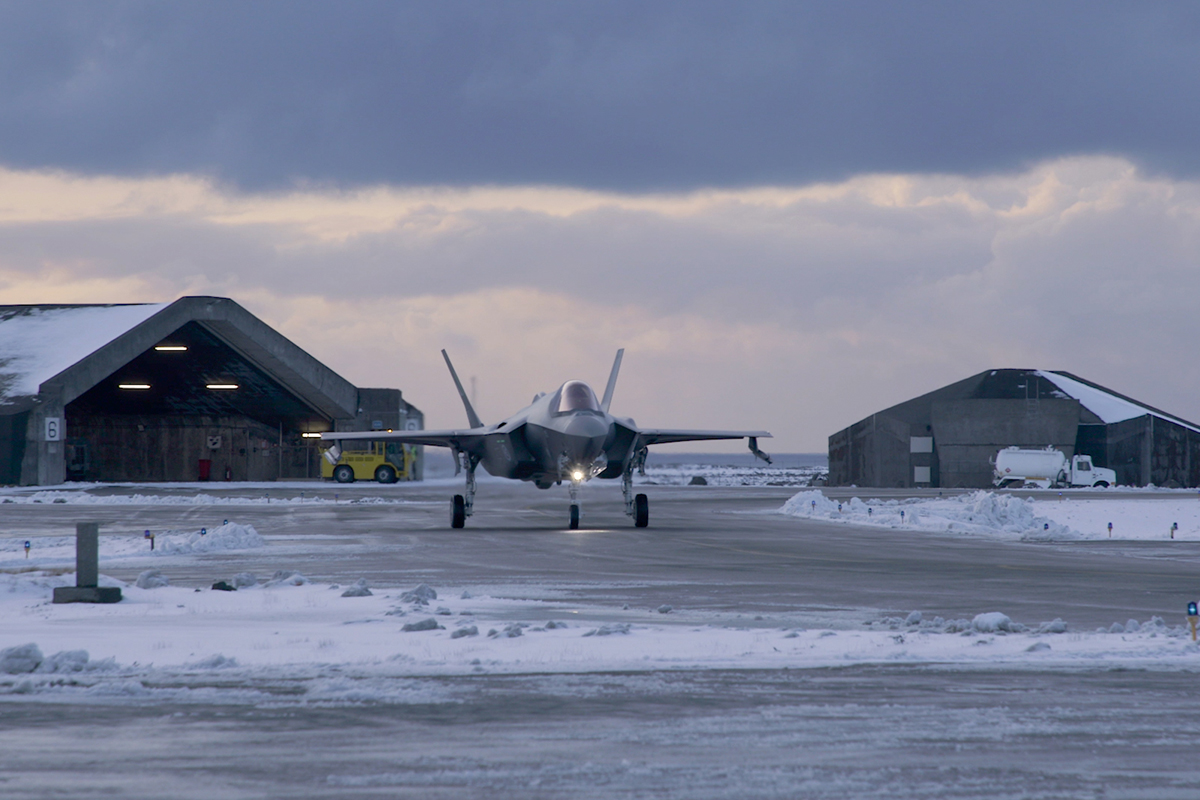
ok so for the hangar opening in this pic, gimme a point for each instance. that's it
(198, 389)
(190, 408)
(949, 437)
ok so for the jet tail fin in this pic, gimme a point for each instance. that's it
(472, 417)
(612, 381)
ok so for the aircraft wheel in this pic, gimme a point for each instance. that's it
(385, 474)
(574, 517)
(641, 511)
(343, 474)
(458, 511)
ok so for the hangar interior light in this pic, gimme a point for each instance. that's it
(220, 386)
(133, 386)
(310, 436)
(170, 348)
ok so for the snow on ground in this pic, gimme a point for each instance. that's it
(201, 494)
(341, 647)
(1008, 516)
(59, 551)
(731, 475)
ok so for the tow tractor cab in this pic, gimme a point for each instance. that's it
(386, 462)
(1016, 468)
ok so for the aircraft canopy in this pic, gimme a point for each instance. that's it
(577, 396)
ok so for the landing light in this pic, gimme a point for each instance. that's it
(221, 386)
(133, 386)
(577, 475)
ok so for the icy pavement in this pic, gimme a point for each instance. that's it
(728, 651)
(855, 732)
(1000, 514)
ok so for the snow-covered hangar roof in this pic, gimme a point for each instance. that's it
(1109, 406)
(68, 349)
(38, 342)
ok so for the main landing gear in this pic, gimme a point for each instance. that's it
(636, 506)
(463, 507)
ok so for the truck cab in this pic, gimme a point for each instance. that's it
(385, 462)
(1083, 473)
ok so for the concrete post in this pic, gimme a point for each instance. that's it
(87, 554)
(87, 570)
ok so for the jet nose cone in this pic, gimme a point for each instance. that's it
(586, 426)
(583, 440)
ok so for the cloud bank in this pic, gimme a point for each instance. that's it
(622, 95)
(795, 308)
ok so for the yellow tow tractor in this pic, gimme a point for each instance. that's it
(386, 462)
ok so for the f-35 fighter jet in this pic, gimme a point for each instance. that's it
(565, 436)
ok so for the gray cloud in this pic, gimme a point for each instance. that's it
(798, 312)
(623, 95)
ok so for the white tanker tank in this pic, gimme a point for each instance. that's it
(1015, 467)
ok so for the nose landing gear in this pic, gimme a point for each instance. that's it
(573, 524)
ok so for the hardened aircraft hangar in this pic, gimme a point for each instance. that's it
(197, 389)
(950, 436)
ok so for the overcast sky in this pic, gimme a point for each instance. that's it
(791, 215)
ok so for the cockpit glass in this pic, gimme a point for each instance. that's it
(577, 396)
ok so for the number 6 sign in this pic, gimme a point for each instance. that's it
(53, 429)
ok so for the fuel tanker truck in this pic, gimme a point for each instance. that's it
(1048, 468)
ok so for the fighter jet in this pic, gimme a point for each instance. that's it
(566, 436)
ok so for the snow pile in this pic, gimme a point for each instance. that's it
(286, 577)
(27, 658)
(21, 659)
(152, 579)
(360, 589)
(994, 622)
(977, 512)
(230, 536)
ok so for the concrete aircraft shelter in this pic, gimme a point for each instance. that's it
(950, 436)
(168, 392)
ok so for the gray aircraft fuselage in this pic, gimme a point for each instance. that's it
(566, 435)
(544, 444)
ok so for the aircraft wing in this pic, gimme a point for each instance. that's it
(651, 436)
(457, 439)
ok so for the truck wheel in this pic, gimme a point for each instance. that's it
(1102, 484)
(343, 473)
(385, 474)
(458, 511)
(641, 511)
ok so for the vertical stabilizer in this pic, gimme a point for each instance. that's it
(472, 417)
(612, 381)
